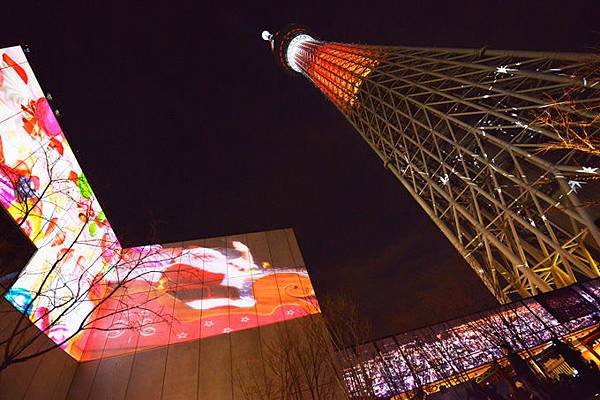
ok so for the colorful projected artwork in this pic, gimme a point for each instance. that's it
(90, 295)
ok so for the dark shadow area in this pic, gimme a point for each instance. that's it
(15, 251)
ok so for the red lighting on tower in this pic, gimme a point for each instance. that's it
(336, 69)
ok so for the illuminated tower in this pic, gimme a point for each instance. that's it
(500, 148)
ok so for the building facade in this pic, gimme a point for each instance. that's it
(86, 318)
(451, 353)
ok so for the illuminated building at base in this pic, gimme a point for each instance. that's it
(453, 352)
(499, 148)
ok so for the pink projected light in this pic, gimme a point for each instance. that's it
(81, 288)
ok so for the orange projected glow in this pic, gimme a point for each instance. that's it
(184, 302)
(337, 69)
(91, 296)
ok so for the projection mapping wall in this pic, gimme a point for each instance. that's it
(90, 295)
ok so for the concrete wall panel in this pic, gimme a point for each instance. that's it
(63, 383)
(215, 378)
(294, 248)
(147, 375)
(181, 374)
(42, 377)
(112, 378)
(246, 358)
(46, 383)
(281, 255)
(83, 380)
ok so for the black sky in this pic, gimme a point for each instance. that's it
(181, 120)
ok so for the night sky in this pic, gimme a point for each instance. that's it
(186, 129)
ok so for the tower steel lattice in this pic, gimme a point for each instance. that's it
(500, 148)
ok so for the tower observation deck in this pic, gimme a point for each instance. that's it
(500, 148)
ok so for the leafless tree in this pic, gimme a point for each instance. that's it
(444, 353)
(101, 296)
(297, 363)
(41, 191)
(317, 357)
(349, 331)
(576, 123)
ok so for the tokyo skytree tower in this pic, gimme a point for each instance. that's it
(500, 148)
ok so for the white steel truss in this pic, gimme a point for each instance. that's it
(499, 148)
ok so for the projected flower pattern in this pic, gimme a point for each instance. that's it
(81, 277)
